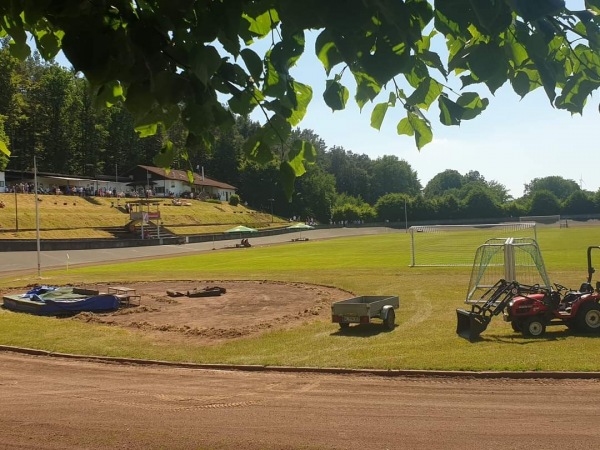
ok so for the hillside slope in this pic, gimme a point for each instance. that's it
(71, 217)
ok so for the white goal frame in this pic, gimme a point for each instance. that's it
(513, 259)
(542, 220)
(454, 245)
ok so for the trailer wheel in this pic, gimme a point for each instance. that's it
(344, 325)
(588, 317)
(390, 321)
(534, 327)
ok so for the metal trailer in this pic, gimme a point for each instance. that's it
(361, 310)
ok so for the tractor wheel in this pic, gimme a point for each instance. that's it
(516, 326)
(533, 327)
(588, 317)
(390, 321)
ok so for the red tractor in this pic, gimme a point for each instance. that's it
(530, 309)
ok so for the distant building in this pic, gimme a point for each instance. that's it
(134, 183)
(177, 183)
(53, 183)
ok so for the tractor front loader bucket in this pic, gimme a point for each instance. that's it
(470, 325)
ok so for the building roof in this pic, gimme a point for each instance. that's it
(182, 175)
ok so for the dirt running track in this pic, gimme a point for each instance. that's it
(54, 403)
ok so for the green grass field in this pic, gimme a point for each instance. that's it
(424, 337)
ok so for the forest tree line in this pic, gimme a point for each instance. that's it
(47, 110)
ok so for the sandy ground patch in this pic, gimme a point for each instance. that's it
(245, 308)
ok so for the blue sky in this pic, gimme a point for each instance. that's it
(512, 142)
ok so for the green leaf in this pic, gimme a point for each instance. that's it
(335, 95)
(276, 82)
(147, 130)
(492, 16)
(48, 43)
(538, 52)
(458, 11)
(302, 96)
(286, 52)
(417, 126)
(300, 152)
(592, 29)
(110, 94)
(297, 161)
(262, 24)
(306, 149)
(138, 99)
(574, 94)
(524, 81)
(427, 92)
(366, 88)
(450, 112)
(4, 149)
(535, 9)
(19, 49)
(276, 131)
(405, 127)
(327, 51)
(473, 105)
(487, 62)
(256, 150)
(432, 59)
(166, 155)
(593, 5)
(253, 63)
(204, 62)
(378, 115)
(198, 118)
(244, 102)
(288, 177)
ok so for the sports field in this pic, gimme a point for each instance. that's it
(424, 337)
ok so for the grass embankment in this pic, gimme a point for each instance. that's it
(375, 265)
(71, 217)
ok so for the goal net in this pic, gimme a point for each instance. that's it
(542, 220)
(454, 245)
(512, 259)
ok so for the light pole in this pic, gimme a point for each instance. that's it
(16, 210)
(16, 205)
(271, 200)
(405, 217)
(37, 218)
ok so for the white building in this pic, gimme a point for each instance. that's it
(177, 183)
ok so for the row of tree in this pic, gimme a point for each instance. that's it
(47, 111)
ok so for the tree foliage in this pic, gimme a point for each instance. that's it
(559, 186)
(544, 203)
(171, 61)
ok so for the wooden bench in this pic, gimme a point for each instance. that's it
(125, 295)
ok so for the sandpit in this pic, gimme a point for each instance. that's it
(246, 308)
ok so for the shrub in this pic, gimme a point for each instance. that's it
(234, 200)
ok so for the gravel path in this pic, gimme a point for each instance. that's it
(55, 403)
